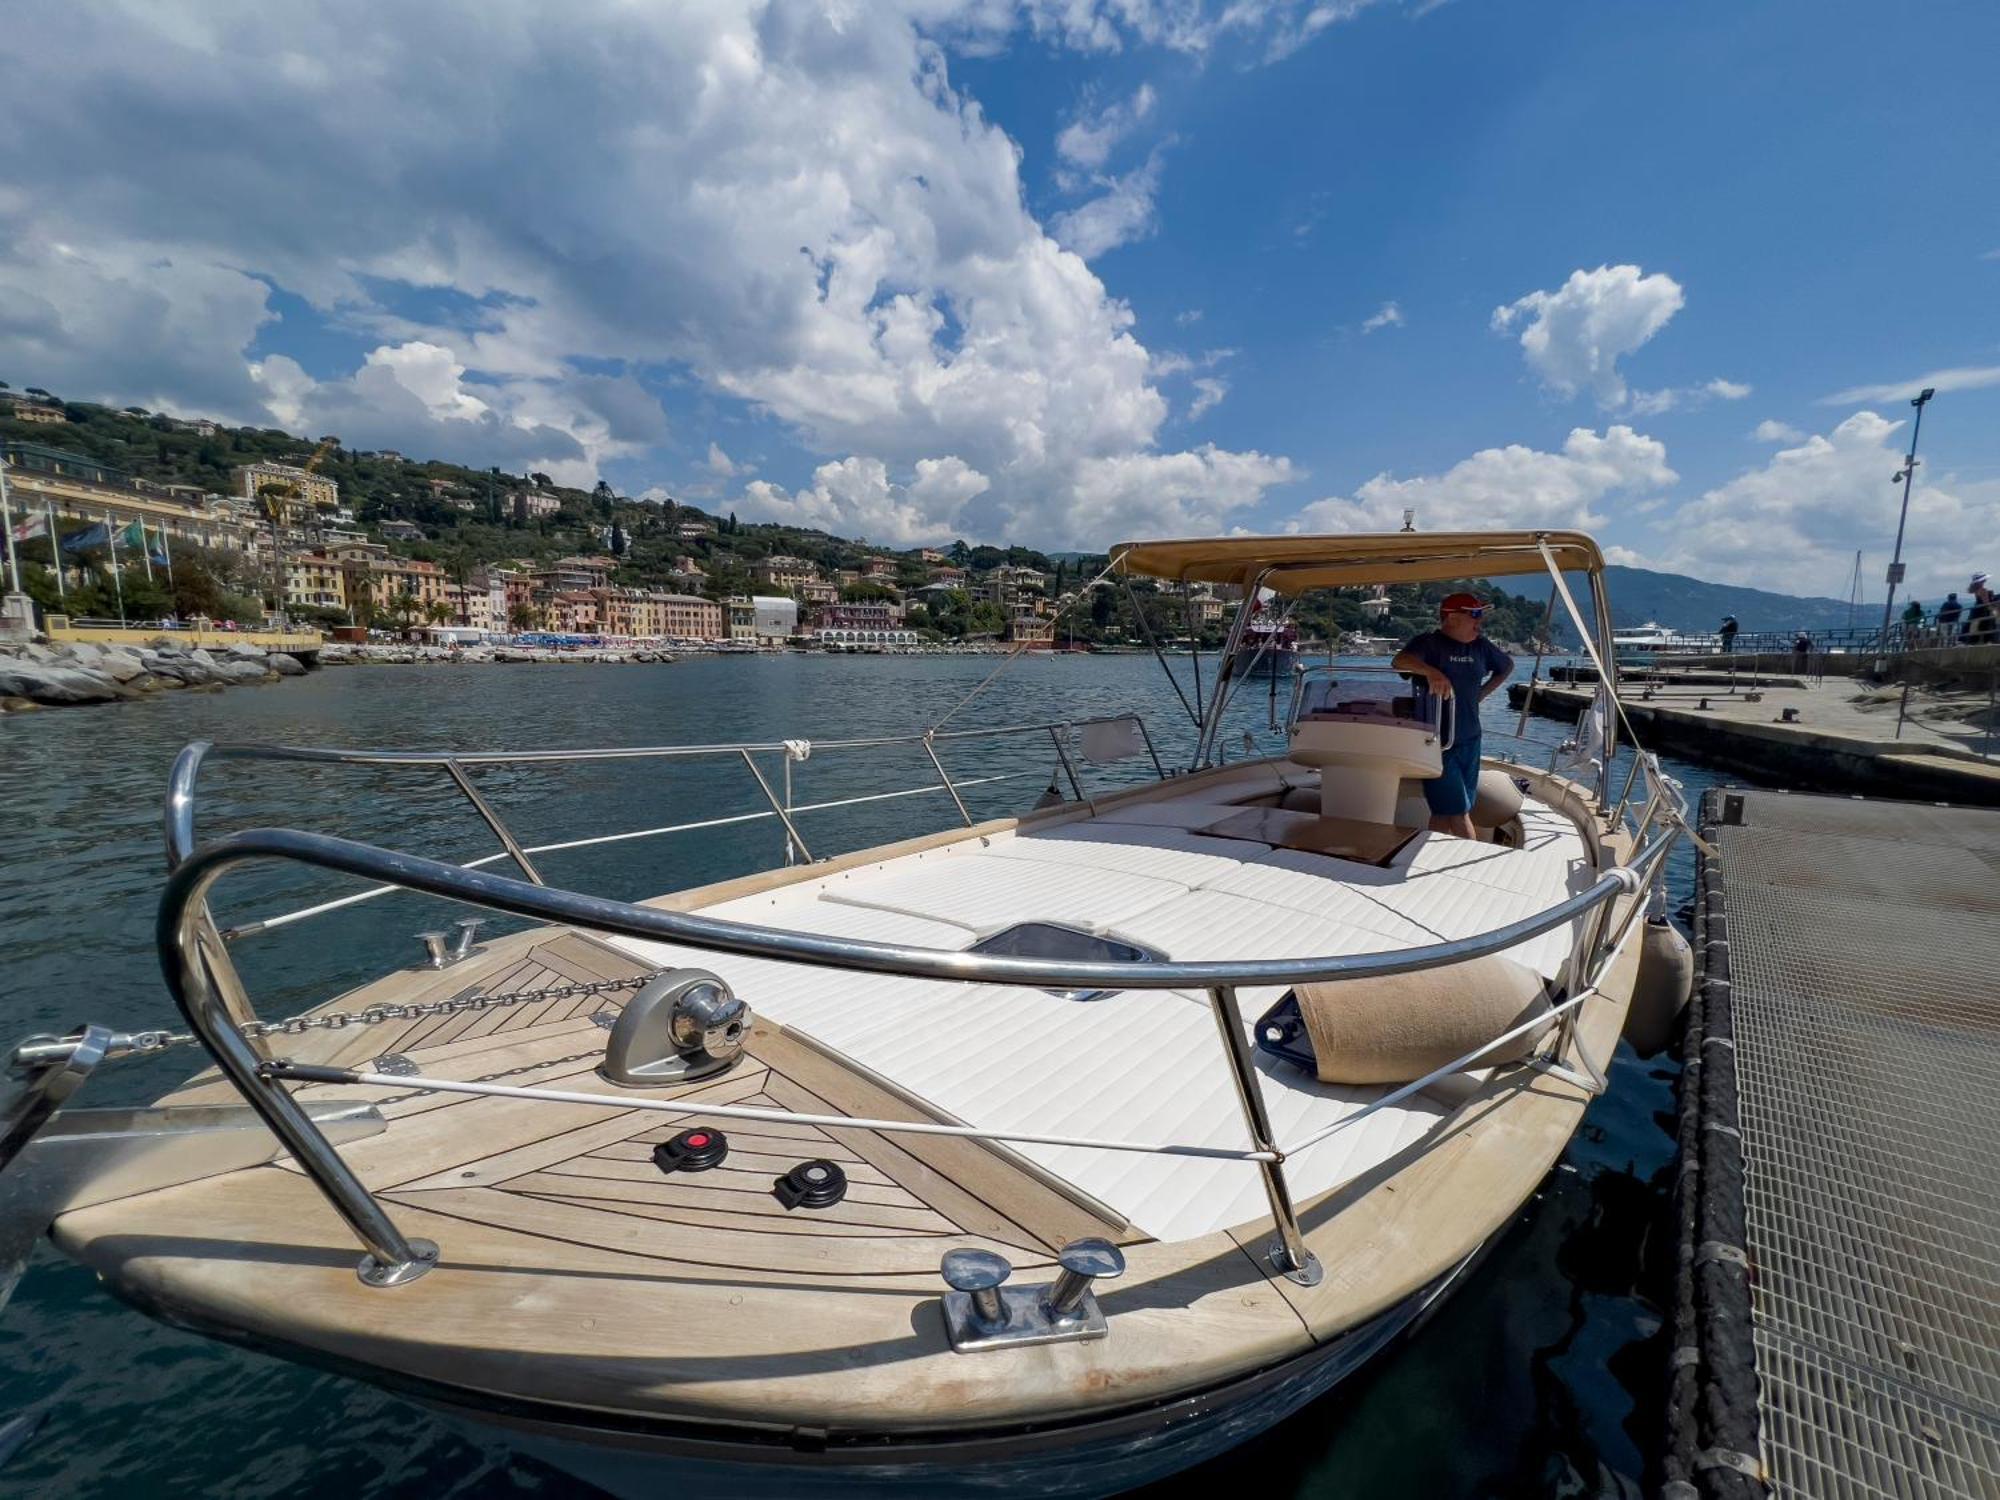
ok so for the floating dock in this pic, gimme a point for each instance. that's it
(1837, 1322)
(1836, 735)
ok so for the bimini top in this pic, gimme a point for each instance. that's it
(1298, 563)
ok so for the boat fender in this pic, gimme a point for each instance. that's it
(1661, 991)
(1497, 801)
(1395, 1028)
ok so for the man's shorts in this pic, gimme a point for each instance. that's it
(1451, 795)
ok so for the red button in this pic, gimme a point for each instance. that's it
(697, 1140)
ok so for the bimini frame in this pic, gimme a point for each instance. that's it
(1292, 565)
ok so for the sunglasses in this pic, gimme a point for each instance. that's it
(1473, 614)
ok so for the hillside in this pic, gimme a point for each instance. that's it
(470, 517)
(1690, 604)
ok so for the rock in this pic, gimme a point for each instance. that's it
(18, 705)
(48, 684)
(200, 654)
(237, 670)
(39, 653)
(243, 651)
(121, 666)
(285, 665)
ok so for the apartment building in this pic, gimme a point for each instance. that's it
(314, 580)
(787, 573)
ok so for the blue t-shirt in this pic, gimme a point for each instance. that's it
(1467, 665)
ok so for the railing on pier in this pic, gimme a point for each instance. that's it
(211, 995)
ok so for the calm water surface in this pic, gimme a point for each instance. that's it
(1542, 1375)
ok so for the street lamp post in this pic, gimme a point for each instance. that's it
(1907, 475)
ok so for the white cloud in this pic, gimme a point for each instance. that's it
(855, 497)
(1087, 141)
(1506, 487)
(782, 204)
(1388, 315)
(1772, 431)
(1961, 378)
(1795, 523)
(1188, 317)
(1574, 336)
(1208, 394)
(1685, 397)
(1121, 213)
(720, 464)
(1173, 494)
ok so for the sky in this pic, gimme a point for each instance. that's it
(1058, 272)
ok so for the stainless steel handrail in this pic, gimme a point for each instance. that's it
(182, 780)
(210, 995)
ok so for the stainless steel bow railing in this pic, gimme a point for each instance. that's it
(182, 787)
(210, 993)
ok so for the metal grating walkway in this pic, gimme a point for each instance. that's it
(1862, 998)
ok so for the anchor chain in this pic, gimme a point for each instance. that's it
(42, 1050)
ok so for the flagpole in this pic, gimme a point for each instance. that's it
(7, 520)
(167, 551)
(116, 583)
(55, 552)
(145, 550)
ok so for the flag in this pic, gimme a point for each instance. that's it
(161, 558)
(84, 541)
(132, 536)
(28, 530)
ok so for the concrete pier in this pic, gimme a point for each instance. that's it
(1841, 734)
(1836, 1328)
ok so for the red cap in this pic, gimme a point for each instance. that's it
(1451, 602)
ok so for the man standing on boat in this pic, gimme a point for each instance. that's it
(1456, 661)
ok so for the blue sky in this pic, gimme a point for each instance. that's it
(1056, 271)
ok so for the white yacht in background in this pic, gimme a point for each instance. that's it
(1655, 639)
(1051, 1153)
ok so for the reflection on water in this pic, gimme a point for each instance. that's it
(1540, 1376)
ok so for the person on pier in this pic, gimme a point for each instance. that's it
(1456, 661)
(1947, 618)
(1982, 623)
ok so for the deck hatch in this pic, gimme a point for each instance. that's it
(1053, 940)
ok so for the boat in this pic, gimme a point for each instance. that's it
(1268, 647)
(1054, 1152)
(1641, 643)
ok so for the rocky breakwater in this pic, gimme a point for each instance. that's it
(373, 654)
(72, 674)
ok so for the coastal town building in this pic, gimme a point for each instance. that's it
(1013, 588)
(570, 574)
(776, 618)
(315, 581)
(874, 622)
(35, 411)
(308, 492)
(951, 577)
(930, 555)
(742, 613)
(76, 489)
(1034, 630)
(532, 505)
(786, 573)
(693, 528)
(390, 584)
(573, 613)
(402, 531)
(879, 569)
(819, 593)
